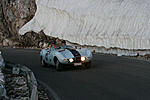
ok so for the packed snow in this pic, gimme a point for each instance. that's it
(122, 24)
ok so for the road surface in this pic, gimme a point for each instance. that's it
(110, 78)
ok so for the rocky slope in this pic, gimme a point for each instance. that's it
(13, 15)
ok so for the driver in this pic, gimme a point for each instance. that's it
(52, 46)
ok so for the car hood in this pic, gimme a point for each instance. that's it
(69, 53)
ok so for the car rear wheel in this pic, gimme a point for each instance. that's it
(58, 65)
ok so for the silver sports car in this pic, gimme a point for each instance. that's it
(66, 55)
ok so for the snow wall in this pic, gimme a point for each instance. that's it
(123, 24)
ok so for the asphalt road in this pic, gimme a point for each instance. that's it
(110, 78)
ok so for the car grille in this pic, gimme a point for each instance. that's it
(77, 59)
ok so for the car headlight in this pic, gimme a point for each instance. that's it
(71, 60)
(82, 58)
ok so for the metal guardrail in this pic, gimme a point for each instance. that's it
(2, 86)
(31, 80)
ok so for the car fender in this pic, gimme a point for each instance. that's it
(85, 52)
(60, 57)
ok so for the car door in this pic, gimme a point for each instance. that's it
(49, 57)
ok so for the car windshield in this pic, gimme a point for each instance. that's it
(63, 47)
(68, 46)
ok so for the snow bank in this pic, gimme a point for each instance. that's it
(109, 23)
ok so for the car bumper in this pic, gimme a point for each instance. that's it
(76, 64)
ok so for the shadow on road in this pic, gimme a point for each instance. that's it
(67, 69)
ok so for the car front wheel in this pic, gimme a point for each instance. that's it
(58, 66)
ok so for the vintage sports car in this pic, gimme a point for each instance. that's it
(62, 56)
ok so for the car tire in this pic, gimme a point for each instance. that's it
(43, 64)
(58, 65)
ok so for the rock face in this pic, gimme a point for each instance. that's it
(16, 13)
(13, 15)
